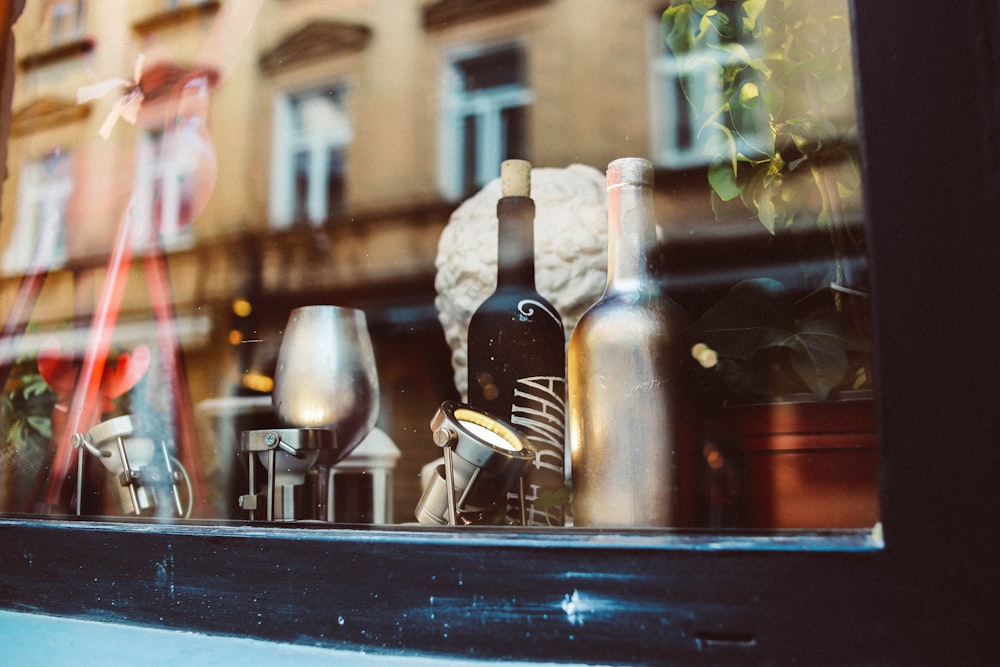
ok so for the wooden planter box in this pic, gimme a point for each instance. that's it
(809, 464)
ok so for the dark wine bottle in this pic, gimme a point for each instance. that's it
(517, 355)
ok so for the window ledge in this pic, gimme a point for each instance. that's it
(511, 594)
(833, 540)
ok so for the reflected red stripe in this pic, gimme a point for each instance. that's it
(84, 409)
(188, 450)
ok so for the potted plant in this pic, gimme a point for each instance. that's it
(785, 368)
(759, 341)
(26, 405)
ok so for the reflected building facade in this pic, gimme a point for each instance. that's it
(280, 153)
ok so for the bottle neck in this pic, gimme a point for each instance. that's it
(631, 234)
(516, 242)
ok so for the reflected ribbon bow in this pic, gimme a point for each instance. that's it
(126, 106)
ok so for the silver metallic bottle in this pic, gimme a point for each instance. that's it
(625, 357)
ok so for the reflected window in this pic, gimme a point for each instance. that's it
(693, 121)
(311, 136)
(166, 184)
(485, 119)
(66, 21)
(39, 240)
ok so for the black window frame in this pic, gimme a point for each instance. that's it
(930, 100)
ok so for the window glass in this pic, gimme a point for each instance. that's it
(39, 240)
(312, 131)
(166, 180)
(66, 20)
(487, 96)
(219, 169)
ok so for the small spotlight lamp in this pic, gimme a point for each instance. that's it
(483, 460)
(152, 478)
(289, 456)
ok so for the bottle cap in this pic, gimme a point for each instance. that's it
(630, 171)
(515, 178)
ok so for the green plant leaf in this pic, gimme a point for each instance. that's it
(755, 314)
(819, 349)
(749, 95)
(783, 73)
(43, 425)
(848, 174)
(821, 368)
(34, 386)
(675, 30)
(726, 210)
(722, 178)
(760, 195)
(709, 23)
(752, 10)
(834, 325)
(766, 211)
(740, 59)
(553, 498)
(835, 89)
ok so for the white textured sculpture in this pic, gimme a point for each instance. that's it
(571, 252)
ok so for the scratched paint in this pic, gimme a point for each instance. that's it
(165, 573)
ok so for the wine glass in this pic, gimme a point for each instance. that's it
(326, 376)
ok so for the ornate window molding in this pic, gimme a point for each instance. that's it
(66, 51)
(316, 40)
(178, 16)
(45, 113)
(443, 14)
